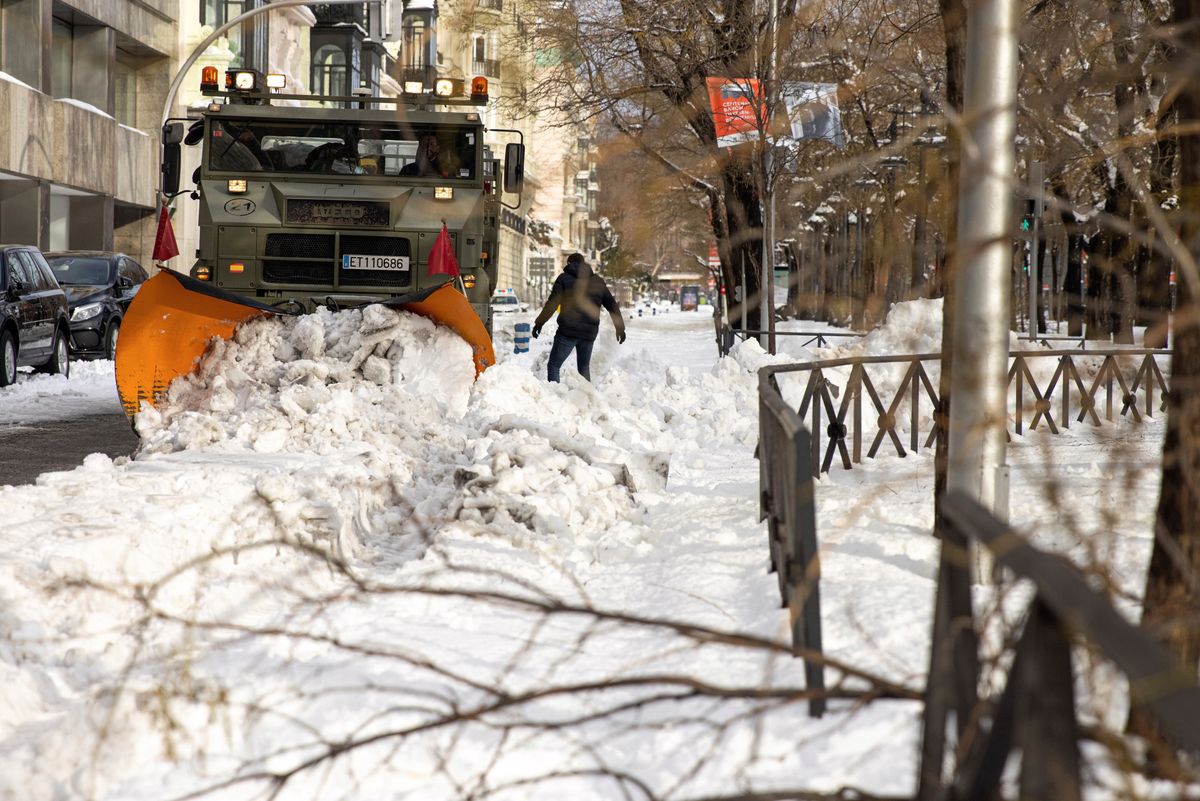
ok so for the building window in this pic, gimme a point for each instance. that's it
(247, 42)
(329, 71)
(414, 43)
(125, 92)
(61, 57)
(480, 48)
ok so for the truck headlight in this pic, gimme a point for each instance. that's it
(86, 312)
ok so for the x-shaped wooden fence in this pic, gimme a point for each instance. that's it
(1077, 386)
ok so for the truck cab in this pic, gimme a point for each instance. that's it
(308, 206)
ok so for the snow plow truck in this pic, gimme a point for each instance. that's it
(337, 205)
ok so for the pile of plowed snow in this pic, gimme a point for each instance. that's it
(396, 394)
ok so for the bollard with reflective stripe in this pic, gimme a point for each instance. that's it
(521, 338)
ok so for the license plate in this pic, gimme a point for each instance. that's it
(394, 264)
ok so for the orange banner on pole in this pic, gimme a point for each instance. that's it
(738, 107)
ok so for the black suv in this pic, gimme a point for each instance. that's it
(99, 287)
(33, 315)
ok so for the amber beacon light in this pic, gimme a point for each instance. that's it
(208, 80)
(479, 88)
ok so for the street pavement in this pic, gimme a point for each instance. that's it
(29, 449)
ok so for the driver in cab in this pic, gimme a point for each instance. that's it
(430, 162)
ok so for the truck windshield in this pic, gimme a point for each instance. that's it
(338, 148)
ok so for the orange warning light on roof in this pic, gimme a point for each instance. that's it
(479, 88)
(208, 79)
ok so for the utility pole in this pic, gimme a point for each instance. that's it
(978, 385)
(769, 95)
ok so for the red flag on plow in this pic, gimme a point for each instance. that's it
(441, 257)
(164, 241)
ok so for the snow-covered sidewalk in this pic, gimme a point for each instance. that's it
(333, 537)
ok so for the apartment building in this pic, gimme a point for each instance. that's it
(564, 206)
(83, 83)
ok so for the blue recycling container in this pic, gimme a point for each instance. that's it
(521, 338)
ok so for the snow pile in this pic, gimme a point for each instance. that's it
(91, 389)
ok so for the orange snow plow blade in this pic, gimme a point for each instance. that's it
(173, 318)
(167, 329)
(446, 305)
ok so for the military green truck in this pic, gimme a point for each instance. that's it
(338, 205)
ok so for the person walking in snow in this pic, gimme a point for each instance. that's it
(578, 294)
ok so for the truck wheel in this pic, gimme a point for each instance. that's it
(110, 340)
(60, 360)
(8, 359)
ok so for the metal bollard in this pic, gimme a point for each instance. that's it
(521, 338)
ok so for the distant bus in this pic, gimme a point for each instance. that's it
(689, 297)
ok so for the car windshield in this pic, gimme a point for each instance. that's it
(505, 300)
(80, 269)
(343, 148)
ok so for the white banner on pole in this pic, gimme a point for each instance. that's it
(812, 110)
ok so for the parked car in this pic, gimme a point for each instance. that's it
(506, 303)
(99, 287)
(33, 315)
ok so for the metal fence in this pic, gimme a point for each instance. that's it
(1082, 383)
(1035, 713)
(786, 503)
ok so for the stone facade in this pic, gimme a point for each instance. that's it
(78, 144)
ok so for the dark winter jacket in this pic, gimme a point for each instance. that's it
(581, 293)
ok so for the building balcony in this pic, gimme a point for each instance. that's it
(489, 67)
(328, 14)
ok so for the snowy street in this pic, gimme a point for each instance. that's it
(338, 568)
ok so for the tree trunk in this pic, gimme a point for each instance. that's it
(739, 232)
(1073, 283)
(1172, 603)
(1122, 250)
(1154, 271)
(957, 604)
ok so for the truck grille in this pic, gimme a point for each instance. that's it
(278, 271)
(299, 259)
(300, 246)
(374, 246)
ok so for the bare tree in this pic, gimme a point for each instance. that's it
(1172, 601)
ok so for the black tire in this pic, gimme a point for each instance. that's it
(8, 359)
(59, 362)
(110, 339)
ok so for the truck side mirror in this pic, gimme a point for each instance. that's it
(170, 169)
(172, 135)
(514, 167)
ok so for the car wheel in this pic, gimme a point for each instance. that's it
(60, 359)
(8, 359)
(110, 340)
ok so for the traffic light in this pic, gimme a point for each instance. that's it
(1028, 216)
